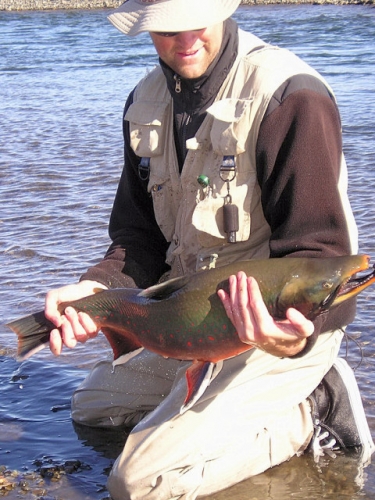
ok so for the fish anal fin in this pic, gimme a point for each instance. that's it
(165, 289)
(198, 378)
(120, 344)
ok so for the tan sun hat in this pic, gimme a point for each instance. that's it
(135, 16)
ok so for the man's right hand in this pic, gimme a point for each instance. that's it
(72, 326)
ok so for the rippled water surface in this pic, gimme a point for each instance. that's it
(64, 77)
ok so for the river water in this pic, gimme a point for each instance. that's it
(64, 78)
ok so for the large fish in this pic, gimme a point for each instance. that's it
(184, 318)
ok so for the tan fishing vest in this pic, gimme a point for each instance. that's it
(190, 214)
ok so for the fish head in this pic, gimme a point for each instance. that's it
(325, 283)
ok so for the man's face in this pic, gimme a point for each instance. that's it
(189, 53)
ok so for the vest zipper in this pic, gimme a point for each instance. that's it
(177, 88)
(185, 122)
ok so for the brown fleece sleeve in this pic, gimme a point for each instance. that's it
(298, 165)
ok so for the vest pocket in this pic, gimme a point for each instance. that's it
(208, 215)
(146, 130)
(230, 127)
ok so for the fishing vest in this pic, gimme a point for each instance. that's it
(220, 165)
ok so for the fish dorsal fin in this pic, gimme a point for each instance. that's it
(164, 290)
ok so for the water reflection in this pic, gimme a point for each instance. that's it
(301, 479)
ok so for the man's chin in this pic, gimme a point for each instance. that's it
(190, 72)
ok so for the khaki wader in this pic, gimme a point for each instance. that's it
(253, 416)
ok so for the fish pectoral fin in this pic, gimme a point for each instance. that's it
(198, 378)
(164, 290)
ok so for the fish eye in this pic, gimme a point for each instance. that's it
(327, 285)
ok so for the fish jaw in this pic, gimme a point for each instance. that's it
(322, 284)
(354, 285)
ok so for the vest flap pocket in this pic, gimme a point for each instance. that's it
(146, 131)
(230, 128)
(208, 215)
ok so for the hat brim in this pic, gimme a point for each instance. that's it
(137, 16)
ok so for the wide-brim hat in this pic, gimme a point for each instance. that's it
(136, 16)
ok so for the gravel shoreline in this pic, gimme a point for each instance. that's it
(20, 5)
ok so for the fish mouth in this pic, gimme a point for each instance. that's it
(354, 285)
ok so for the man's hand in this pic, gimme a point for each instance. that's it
(72, 326)
(246, 309)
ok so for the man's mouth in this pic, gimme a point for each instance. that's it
(188, 54)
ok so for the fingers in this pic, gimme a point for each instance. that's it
(55, 342)
(303, 327)
(243, 308)
(236, 302)
(237, 306)
(229, 298)
(72, 326)
(78, 327)
(248, 312)
(261, 318)
(50, 309)
(75, 327)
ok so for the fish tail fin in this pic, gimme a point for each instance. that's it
(33, 333)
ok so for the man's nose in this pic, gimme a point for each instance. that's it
(188, 37)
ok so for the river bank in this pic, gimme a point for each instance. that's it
(20, 5)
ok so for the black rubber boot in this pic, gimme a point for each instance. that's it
(338, 415)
